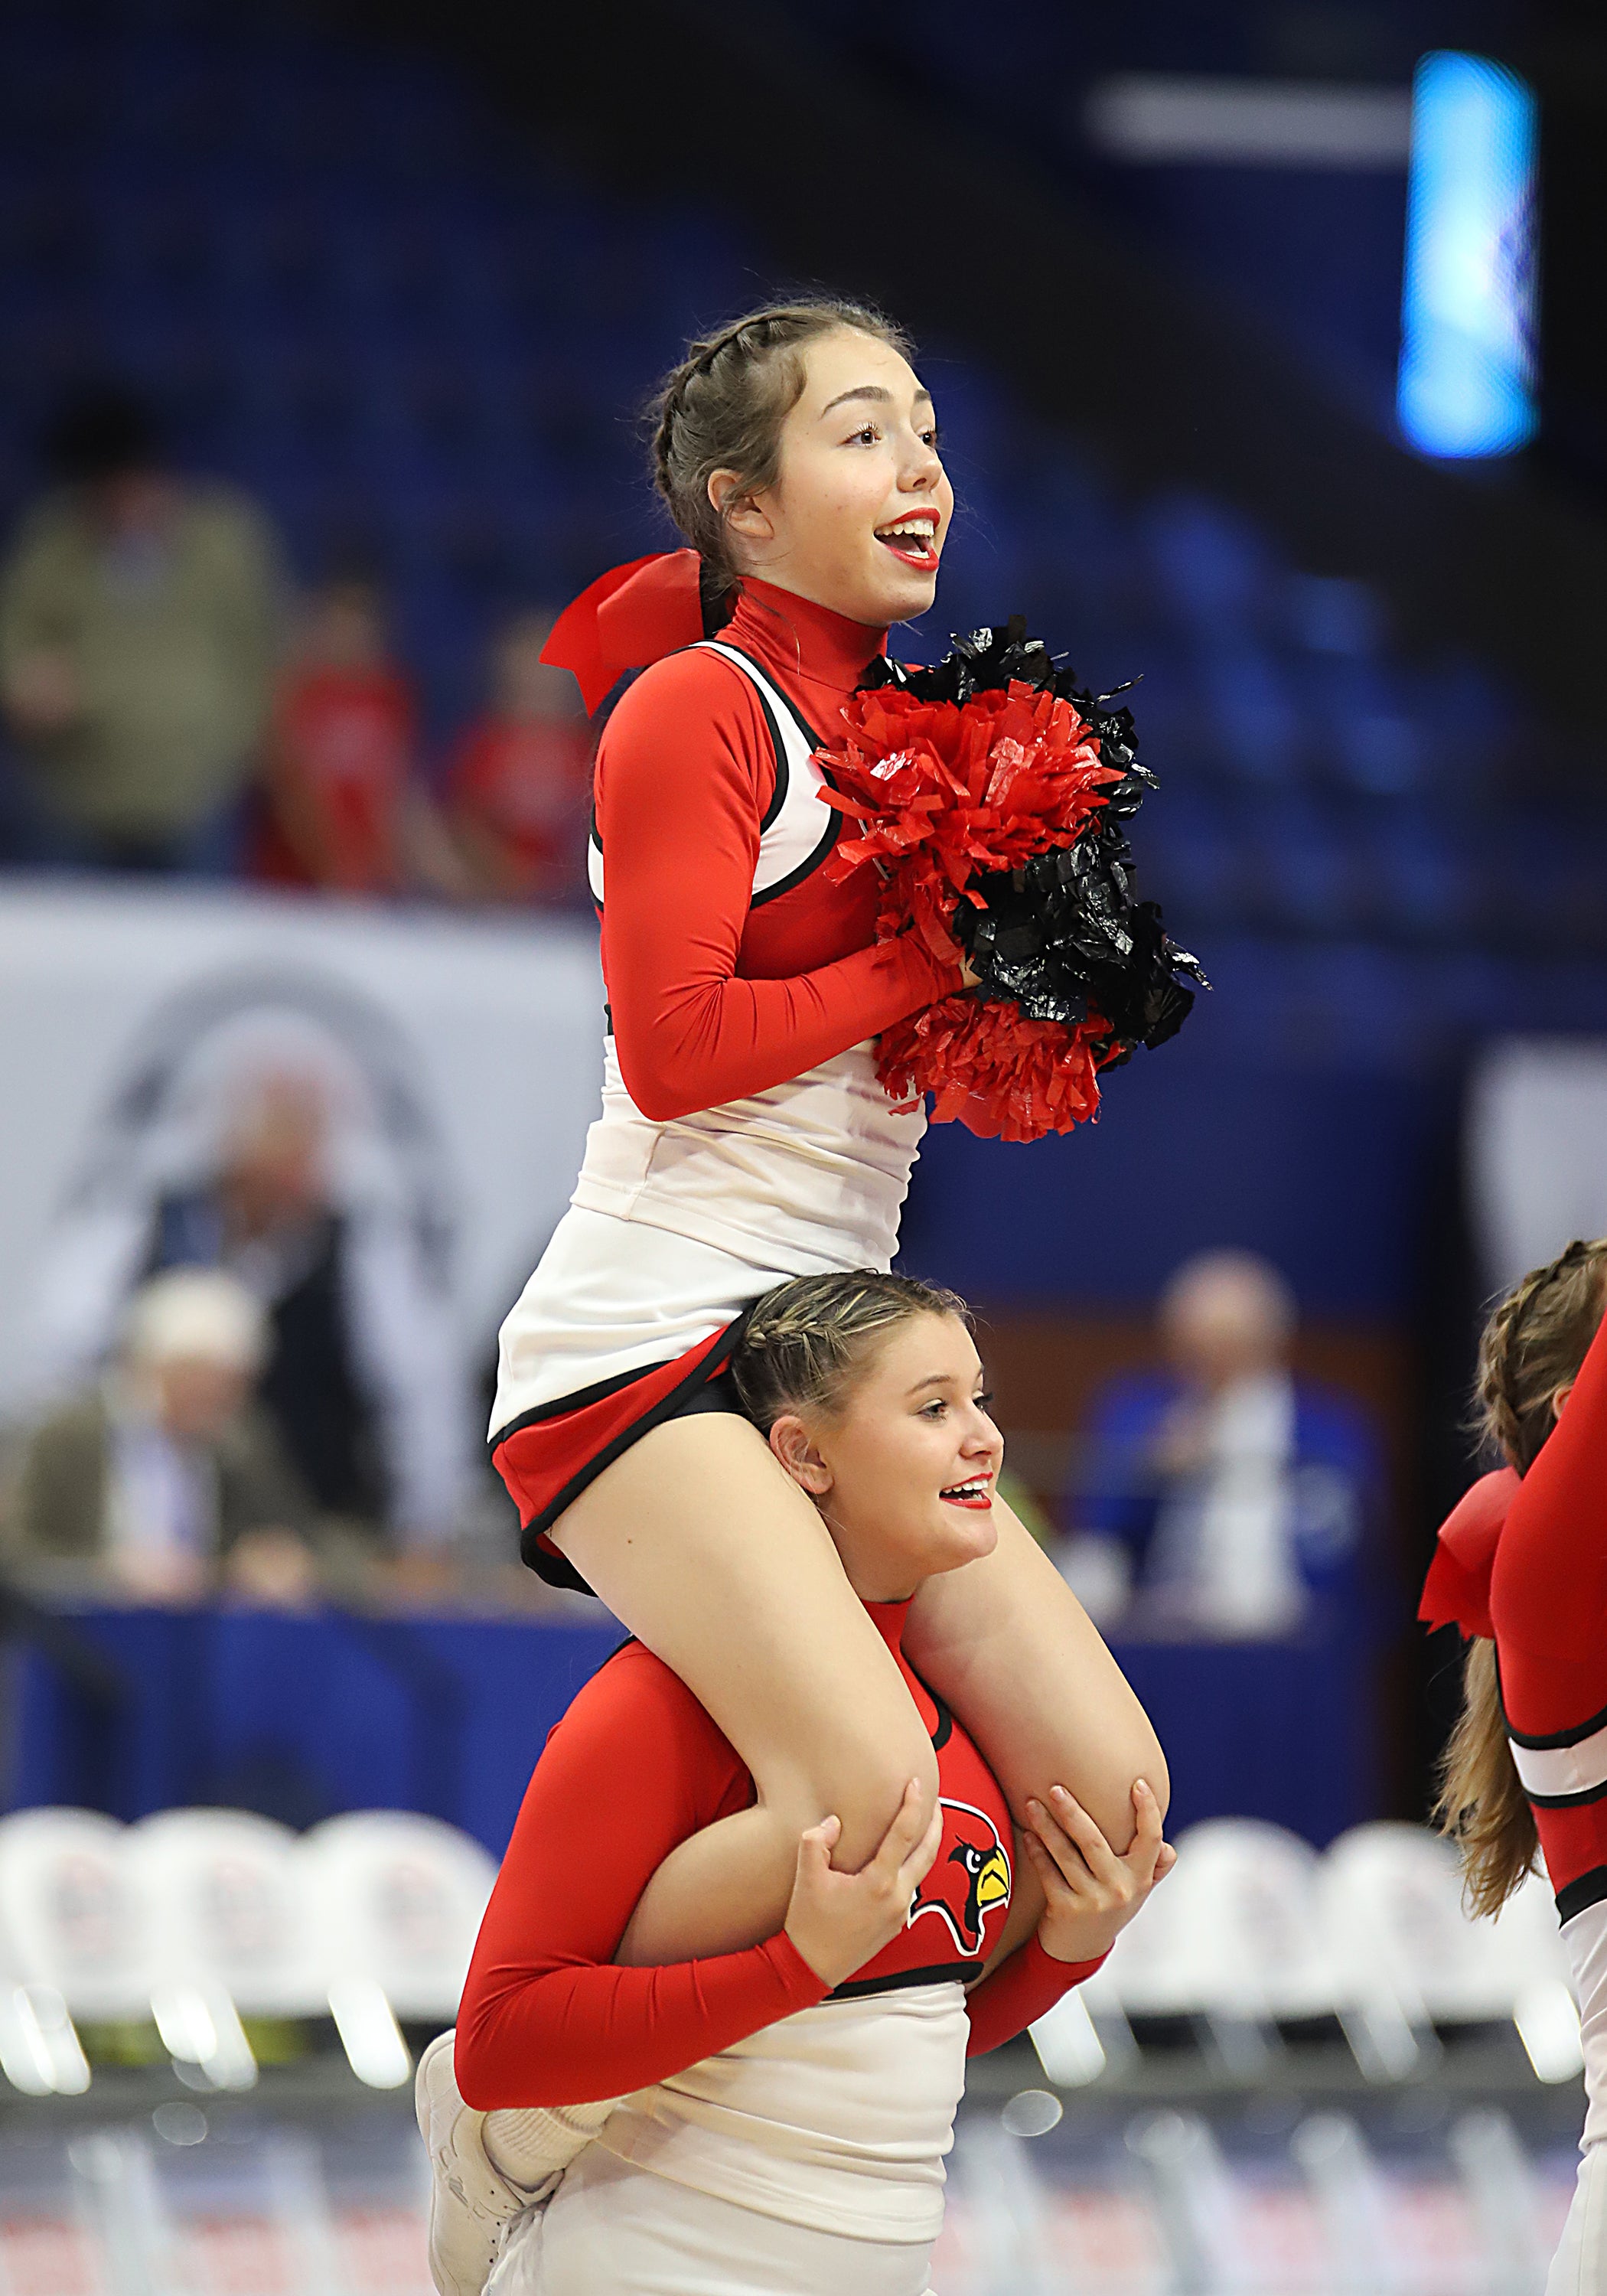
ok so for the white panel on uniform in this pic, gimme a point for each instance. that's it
(226, 1891)
(396, 1899)
(798, 828)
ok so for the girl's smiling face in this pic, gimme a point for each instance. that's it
(902, 1468)
(861, 506)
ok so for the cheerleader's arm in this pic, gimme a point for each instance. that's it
(546, 2018)
(1020, 1990)
(681, 786)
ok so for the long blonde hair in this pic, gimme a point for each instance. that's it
(1532, 1344)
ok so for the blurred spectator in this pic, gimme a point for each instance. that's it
(518, 788)
(139, 627)
(345, 806)
(168, 1476)
(356, 1384)
(1221, 1496)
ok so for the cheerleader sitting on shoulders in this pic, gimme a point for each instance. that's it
(744, 1139)
(786, 2107)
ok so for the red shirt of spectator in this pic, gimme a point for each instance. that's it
(518, 792)
(342, 753)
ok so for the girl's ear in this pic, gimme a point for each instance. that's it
(791, 1442)
(1560, 1398)
(742, 513)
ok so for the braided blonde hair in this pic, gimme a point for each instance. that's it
(1533, 1343)
(723, 408)
(806, 1340)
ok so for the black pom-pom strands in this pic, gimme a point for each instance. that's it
(994, 792)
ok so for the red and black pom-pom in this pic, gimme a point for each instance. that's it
(991, 793)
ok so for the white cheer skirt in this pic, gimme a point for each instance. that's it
(614, 2229)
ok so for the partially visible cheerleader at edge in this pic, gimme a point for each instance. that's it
(1521, 1568)
(745, 1139)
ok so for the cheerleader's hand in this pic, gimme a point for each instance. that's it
(839, 1921)
(1092, 1894)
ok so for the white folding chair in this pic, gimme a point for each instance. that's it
(232, 1938)
(1231, 1937)
(1230, 1932)
(1391, 1904)
(396, 1901)
(1246, 1921)
(1409, 1953)
(75, 1938)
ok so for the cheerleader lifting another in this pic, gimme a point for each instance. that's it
(1522, 1569)
(787, 2108)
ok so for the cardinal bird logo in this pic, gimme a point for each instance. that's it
(970, 1880)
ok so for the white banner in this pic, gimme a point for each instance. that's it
(460, 1058)
(1537, 1150)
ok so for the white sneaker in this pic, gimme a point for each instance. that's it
(470, 2204)
(472, 2201)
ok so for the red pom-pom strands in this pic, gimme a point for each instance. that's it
(990, 792)
(948, 793)
(990, 1068)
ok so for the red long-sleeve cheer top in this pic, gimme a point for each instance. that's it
(719, 988)
(633, 1768)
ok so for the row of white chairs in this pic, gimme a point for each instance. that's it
(1255, 1931)
(201, 1920)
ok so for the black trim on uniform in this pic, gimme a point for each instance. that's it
(783, 771)
(792, 711)
(555, 1569)
(1577, 1896)
(576, 1400)
(1579, 1800)
(786, 701)
(833, 830)
(805, 868)
(901, 1979)
(1552, 1741)
(943, 1729)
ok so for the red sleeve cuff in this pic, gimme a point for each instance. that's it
(929, 979)
(1020, 1992)
(803, 1988)
(1061, 1974)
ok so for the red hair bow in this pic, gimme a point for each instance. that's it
(1456, 1592)
(627, 617)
